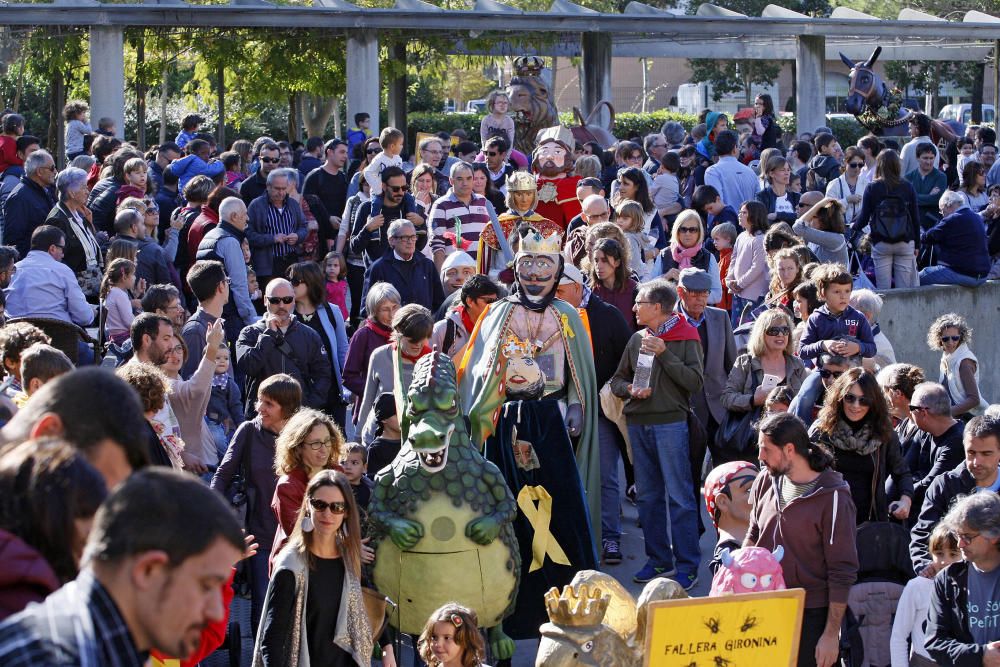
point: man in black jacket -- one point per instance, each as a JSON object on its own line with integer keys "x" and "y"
{"x": 943, "y": 449}
{"x": 256, "y": 185}
{"x": 279, "y": 344}
{"x": 962, "y": 627}
{"x": 30, "y": 201}
{"x": 609, "y": 335}
{"x": 151, "y": 262}
{"x": 370, "y": 237}
{"x": 979, "y": 472}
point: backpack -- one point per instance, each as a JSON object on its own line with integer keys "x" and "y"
{"x": 892, "y": 220}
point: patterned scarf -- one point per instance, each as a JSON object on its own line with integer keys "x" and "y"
{"x": 846, "y": 439}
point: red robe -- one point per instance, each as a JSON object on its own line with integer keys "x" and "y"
{"x": 557, "y": 199}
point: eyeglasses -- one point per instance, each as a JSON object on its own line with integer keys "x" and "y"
{"x": 826, "y": 375}
{"x": 965, "y": 537}
{"x": 271, "y": 160}
{"x": 492, "y": 153}
{"x": 853, "y": 399}
{"x": 317, "y": 445}
{"x": 373, "y": 151}
{"x": 61, "y": 247}
{"x": 688, "y": 230}
{"x": 778, "y": 331}
{"x": 645, "y": 303}
{"x": 856, "y": 165}
{"x": 295, "y": 281}
{"x": 399, "y": 188}
{"x": 275, "y": 300}
{"x": 917, "y": 408}
{"x": 50, "y": 167}
{"x": 336, "y": 507}
{"x": 950, "y": 339}
{"x": 408, "y": 237}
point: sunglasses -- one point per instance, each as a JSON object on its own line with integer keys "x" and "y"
{"x": 399, "y": 188}
{"x": 950, "y": 339}
{"x": 778, "y": 331}
{"x": 275, "y": 300}
{"x": 492, "y": 153}
{"x": 687, "y": 230}
{"x": 857, "y": 400}
{"x": 373, "y": 151}
{"x": 336, "y": 507}
{"x": 826, "y": 375}
{"x": 917, "y": 408}
{"x": 295, "y": 281}
{"x": 856, "y": 165}
{"x": 271, "y": 160}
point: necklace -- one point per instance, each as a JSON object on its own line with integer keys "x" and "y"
{"x": 307, "y": 317}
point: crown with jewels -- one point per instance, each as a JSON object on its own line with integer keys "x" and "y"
{"x": 521, "y": 181}
{"x": 536, "y": 244}
{"x": 559, "y": 133}
{"x": 577, "y": 605}
{"x": 515, "y": 348}
{"x": 528, "y": 65}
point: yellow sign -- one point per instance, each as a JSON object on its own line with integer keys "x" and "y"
{"x": 731, "y": 631}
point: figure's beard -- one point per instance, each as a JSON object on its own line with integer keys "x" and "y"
{"x": 550, "y": 168}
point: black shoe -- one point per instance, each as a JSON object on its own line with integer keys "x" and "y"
{"x": 611, "y": 554}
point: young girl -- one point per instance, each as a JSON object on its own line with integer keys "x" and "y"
{"x": 118, "y": 280}
{"x": 337, "y": 293}
{"x": 451, "y": 638}
{"x": 631, "y": 218}
{"x": 135, "y": 180}
{"x": 966, "y": 154}
{"x": 786, "y": 274}
{"x": 723, "y": 238}
{"x": 497, "y": 122}
{"x": 233, "y": 163}
{"x": 805, "y": 299}
{"x": 665, "y": 190}
{"x": 77, "y": 128}
{"x": 911, "y": 613}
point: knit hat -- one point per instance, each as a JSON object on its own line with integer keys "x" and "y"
{"x": 720, "y": 477}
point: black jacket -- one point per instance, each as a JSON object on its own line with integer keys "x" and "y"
{"x": 103, "y": 204}
{"x": 25, "y": 211}
{"x": 364, "y": 242}
{"x": 768, "y": 198}
{"x": 940, "y": 495}
{"x": 74, "y": 255}
{"x": 252, "y": 188}
{"x": 609, "y": 333}
{"x": 416, "y": 280}
{"x": 151, "y": 263}
{"x": 948, "y": 639}
{"x": 299, "y": 352}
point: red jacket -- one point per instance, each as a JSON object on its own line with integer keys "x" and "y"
{"x": 25, "y": 576}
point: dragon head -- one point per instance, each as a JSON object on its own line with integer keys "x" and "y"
{"x": 434, "y": 411}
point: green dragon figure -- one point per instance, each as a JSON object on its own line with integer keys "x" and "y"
{"x": 442, "y": 507}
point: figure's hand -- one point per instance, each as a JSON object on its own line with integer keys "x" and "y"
{"x": 375, "y": 222}
{"x": 483, "y": 530}
{"x": 574, "y": 419}
{"x": 501, "y": 645}
{"x": 901, "y": 508}
{"x": 291, "y": 239}
{"x": 673, "y": 275}
{"x": 929, "y": 571}
{"x": 991, "y": 656}
{"x": 335, "y": 222}
{"x": 415, "y": 219}
{"x": 279, "y": 239}
{"x": 405, "y": 533}
{"x": 214, "y": 337}
{"x": 640, "y": 393}
{"x": 367, "y": 553}
{"x": 760, "y": 395}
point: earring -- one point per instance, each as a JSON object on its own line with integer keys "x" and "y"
{"x": 307, "y": 523}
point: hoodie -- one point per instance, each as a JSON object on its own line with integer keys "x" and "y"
{"x": 823, "y": 325}
{"x": 817, "y": 532}
{"x": 825, "y": 168}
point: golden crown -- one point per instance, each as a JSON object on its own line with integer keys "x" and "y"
{"x": 536, "y": 244}
{"x": 515, "y": 348}
{"x": 577, "y": 605}
{"x": 528, "y": 65}
{"x": 521, "y": 181}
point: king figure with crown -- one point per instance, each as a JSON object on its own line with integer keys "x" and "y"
{"x": 527, "y": 377}
{"x": 552, "y": 161}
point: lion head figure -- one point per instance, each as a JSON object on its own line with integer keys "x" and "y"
{"x": 531, "y": 103}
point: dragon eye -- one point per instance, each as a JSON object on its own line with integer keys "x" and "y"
{"x": 765, "y": 580}
{"x": 587, "y": 647}
{"x": 748, "y": 580}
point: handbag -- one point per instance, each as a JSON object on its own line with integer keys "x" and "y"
{"x": 376, "y": 606}
{"x": 737, "y": 432}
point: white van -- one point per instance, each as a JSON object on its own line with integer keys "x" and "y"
{"x": 963, "y": 113}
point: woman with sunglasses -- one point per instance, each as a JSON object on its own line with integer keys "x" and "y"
{"x": 313, "y": 310}
{"x": 849, "y": 187}
{"x": 687, "y": 249}
{"x": 769, "y": 362}
{"x": 898, "y": 382}
{"x": 855, "y": 424}
{"x": 950, "y": 334}
{"x": 314, "y": 613}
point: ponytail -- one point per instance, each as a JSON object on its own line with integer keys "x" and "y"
{"x": 115, "y": 273}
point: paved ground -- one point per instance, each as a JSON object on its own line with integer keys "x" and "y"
{"x": 633, "y": 559}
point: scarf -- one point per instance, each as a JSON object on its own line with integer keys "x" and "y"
{"x": 467, "y": 321}
{"x": 676, "y": 328}
{"x": 860, "y": 441}
{"x": 407, "y": 357}
{"x": 683, "y": 256}
{"x": 382, "y": 331}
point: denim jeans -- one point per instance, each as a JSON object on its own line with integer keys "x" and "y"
{"x": 942, "y": 275}
{"x": 219, "y": 435}
{"x": 608, "y": 437}
{"x": 667, "y": 507}
{"x": 809, "y": 393}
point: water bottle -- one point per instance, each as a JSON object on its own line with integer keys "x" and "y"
{"x": 643, "y": 370}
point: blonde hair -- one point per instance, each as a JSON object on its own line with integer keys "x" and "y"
{"x": 947, "y": 321}
{"x": 769, "y": 318}
{"x": 627, "y": 208}
{"x": 288, "y": 446}
{"x": 687, "y": 215}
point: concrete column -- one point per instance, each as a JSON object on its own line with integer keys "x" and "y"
{"x": 397, "y": 89}
{"x": 595, "y": 74}
{"x": 107, "y": 76}
{"x": 362, "y": 77}
{"x": 810, "y": 85}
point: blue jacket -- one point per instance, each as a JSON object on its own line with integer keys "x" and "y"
{"x": 416, "y": 280}
{"x": 25, "y": 210}
{"x": 824, "y": 326}
{"x": 190, "y": 166}
{"x": 960, "y": 239}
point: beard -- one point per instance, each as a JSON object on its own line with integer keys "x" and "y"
{"x": 550, "y": 168}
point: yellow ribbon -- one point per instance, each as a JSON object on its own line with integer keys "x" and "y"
{"x": 539, "y": 517}
{"x": 567, "y": 329}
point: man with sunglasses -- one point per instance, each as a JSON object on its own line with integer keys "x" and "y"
{"x": 269, "y": 157}
{"x": 280, "y": 344}
{"x": 30, "y": 201}
{"x": 496, "y": 150}
{"x": 369, "y": 236}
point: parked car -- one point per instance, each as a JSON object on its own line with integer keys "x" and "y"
{"x": 963, "y": 113}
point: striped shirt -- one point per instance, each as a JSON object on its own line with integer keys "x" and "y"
{"x": 79, "y": 625}
{"x": 280, "y": 221}
{"x": 449, "y": 216}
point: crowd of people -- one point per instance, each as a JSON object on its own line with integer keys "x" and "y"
{"x": 257, "y": 308}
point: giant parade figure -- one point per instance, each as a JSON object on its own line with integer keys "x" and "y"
{"x": 552, "y": 161}
{"x": 527, "y": 377}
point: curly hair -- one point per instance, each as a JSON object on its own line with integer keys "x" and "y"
{"x": 149, "y": 382}
{"x": 901, "y": 377}
{"x": 878, "y": 416}
{"x": 288, "y": 446}
{"x": 17, "y": 337}
{"x": 466, "y": 625}
{"x": 947, "y": 321}
{"x": 73, "y": 109}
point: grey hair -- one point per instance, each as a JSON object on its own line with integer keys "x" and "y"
{"x": 867, "y": 301}
{"x": 951, "y": 198}
{"x": 36, "y": 161}
{"x": 660, "y": 292}
{"x": 673, "y": 132}
{"x": 397, "y": 225}
{"x": 282, "y": 173}
{"x": 69, "y": 180}
{"x": 378, "y": 293}
{"x": 229, "y": 206}
{"x": 947, "y": 321}
{"x": 934, "y": 397}
{"x": 457, "y": 167}
{"x": 84, "y": 162}
{"x": 979, "y": 512}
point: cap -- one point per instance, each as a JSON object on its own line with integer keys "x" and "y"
{"x": 385, "y": 406}
{"x": 695, "y": 280}
{"x": 571, "y": 275}
{"x": 722, "y": 475}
